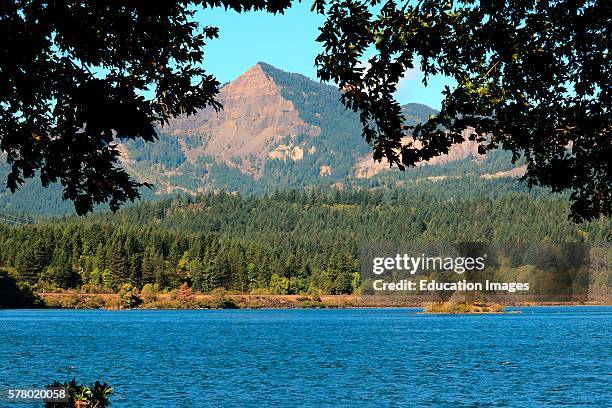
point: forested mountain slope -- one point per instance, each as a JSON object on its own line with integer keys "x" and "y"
{"x": 312, "y": 239}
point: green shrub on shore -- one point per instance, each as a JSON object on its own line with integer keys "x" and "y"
{"x": 130, "y": 296}
{"x": 174, "y": 294}
{"x": 225, "y": 304}
{"x": 221, "y": 301}
{"x": 311, "y": 304}
{"x": 149, "y": 293}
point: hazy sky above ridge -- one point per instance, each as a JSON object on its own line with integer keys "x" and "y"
{"x": 288, "y": 42}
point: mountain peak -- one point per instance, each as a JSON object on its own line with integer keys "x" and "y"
{"x": 253, "y": 76}
{"x": 259, "y": 68}
{"x": 262, "y": 73}
{"x": 255, "y": 120}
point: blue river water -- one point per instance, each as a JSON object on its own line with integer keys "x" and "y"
{"x": 541, "y": 357}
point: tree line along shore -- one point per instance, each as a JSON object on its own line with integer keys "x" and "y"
{"x": 293, "y": 243}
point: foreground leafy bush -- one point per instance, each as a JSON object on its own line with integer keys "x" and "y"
{"x": 96, "y": 395}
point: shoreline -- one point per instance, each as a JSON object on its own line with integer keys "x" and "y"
{"x": 110, "y": 301}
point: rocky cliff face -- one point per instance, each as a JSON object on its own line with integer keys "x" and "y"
{"x": 255, "y": 120}
{"x": 366, "y": 167}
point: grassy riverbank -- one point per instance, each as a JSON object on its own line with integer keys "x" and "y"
{"x": 463, "y": 308}
{"x": 221, "y": 300}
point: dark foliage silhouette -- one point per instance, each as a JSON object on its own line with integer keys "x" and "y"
{"x": 76, "y": 75}
{"x": 533, "y": 77}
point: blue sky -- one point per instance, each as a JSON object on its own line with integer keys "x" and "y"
{"x": 287, "y": 42}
